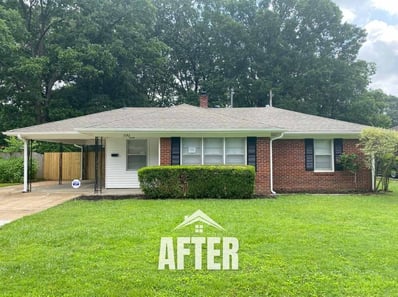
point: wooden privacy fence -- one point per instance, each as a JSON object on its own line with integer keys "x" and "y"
{"x": 74, "y": 165}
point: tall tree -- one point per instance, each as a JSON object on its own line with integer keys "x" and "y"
{"x": 391, "y": 109}
{"x": 298, "y": 48}
{"x": 317, "y": 69}
{"x": 124, "y": 58}
{"x": 80, "y": 57}
{"x": 66, "y": 58}
{"x": 12, "y": 37}
{"x": 42, "y": 60}
{"x": 369, "y": 108}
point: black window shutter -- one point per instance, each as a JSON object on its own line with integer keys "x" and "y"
{"x": 338, "y": 151}
{"x": 309, "y": 154}
{"x": 175, "y": 150}
{"x": 251, "y": 151}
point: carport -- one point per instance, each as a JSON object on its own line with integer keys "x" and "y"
{"x": 97, "y": 145}
{"x": 62, "y": 132}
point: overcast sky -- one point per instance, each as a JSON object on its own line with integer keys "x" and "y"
{"x": 380, "y": 19}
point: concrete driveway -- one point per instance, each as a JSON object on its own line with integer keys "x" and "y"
{"x": 14, "y": 204}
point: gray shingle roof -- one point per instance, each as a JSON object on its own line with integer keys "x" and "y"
{"x": 190, "y": 118}
{"x": 295, "y": 122}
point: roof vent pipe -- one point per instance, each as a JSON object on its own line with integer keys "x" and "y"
{"x": 232, "y": 97}
{"x": 203, "y": 99}
{"x": 270, "y": 98}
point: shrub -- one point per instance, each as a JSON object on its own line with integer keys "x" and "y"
{"x": 11, "y": 170}
{"x": 197, "y": 181}
{"x": 380, "y": 145}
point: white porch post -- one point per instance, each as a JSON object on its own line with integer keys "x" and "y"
{"x": 25, "y": 165}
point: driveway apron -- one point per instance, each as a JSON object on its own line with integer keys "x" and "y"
{"x": 15, "y": 204}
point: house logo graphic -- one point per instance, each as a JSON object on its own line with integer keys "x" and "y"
{"x": 199, "y": 217}
{"x": 221, "y": 253}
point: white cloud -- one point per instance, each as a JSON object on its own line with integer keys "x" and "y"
{"x": 389, "y": 6}
{"x": 389, "y": 84}
{"x": 348, "y": 15}
{"x": 381, "y": 31}
{"x": 381, "y": 47}
{"x": 379, "y": 18}
{"x": 355, "y": 11}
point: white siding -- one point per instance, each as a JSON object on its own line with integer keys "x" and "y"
{"x": 116, "y": 175}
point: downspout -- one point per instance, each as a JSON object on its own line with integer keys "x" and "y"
{"x": 25, "y": 163}
{"x": 271, "y": 164}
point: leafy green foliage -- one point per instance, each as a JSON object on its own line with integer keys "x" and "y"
{"x": 67, "y": 58}
{"x": 370, "y": 109}
{"x": 7, "y": 184}
{"x": 197, "y": 181}
{"x": 12, "y": 170}
{"x": 42, "y": 147}
{"x": 77, "y": 57}
{"x": 380, "y": 147}
{"x": 13, "y": 145}
{"x": 351, "y": 163}
{"x": 300, "y": 49}
{"x": 391, "y": 109}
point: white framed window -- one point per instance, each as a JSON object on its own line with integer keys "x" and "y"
{"x": 235, "y": 151}
{"x": 323, "y": 155}
{"x": 137, "y": 151}
{"x": 191, "y": 149}
{"x": 213, "y": 151}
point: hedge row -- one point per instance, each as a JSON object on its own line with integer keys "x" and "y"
{"x": 12, "y": 170}
{"x": 197, "y": 181}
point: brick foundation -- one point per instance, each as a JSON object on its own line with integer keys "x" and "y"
{"x": 290, "y": 174}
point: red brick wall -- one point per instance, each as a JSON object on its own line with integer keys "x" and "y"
{"x": 263, "y": 167}
{"x": 290, "y": 174}
{"x": 165, "y": 151}
{"x": 289, "y": 169}
{"x": 262, "y": 156}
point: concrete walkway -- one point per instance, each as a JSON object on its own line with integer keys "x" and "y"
{"x": 15, "y": 204}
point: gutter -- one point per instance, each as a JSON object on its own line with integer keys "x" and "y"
{"x": 271, "y": 165}
{"x": 323, "y": 134}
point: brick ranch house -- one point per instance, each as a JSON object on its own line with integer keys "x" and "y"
{"x": 292, "y": 152}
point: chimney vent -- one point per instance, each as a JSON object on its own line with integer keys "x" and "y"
{"x": 203, "y": 99}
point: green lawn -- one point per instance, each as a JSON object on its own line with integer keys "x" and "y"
{"x": 296, "y": 245}
{"x": 7, "y": 184}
